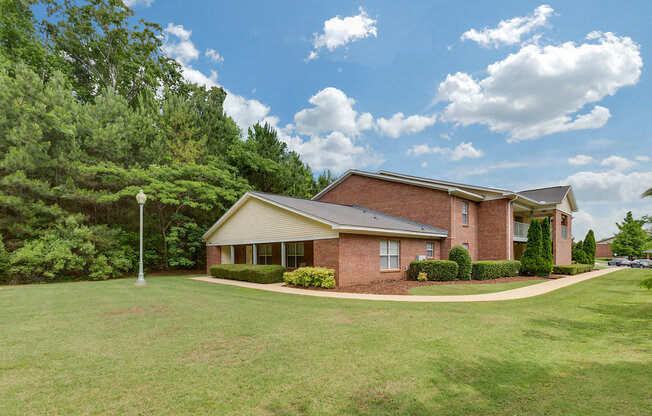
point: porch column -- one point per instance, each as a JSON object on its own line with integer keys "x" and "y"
{"x": 255, "y": 255}
{"x": 232, "y": 255}
{"x": 283, "y": 254}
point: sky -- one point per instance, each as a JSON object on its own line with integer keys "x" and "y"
{"x": 515, "y": 95}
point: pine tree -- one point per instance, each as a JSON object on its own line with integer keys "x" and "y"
{"x": 578, "y": 254}
{"x": 589, "y": 247}
{"x": 531, "y": 259}
{"x": 546, "y": 249}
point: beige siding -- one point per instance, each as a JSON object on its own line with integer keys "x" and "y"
{"x": 565, "y": 206}
{"x": 256, "y": 220}
{"x": 226, "y": 254}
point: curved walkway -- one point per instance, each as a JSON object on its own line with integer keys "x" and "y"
{"x": 519, "y": 293}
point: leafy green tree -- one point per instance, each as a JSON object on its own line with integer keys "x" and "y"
{"x": 531, "y": 259}
{"x": 546, "y": 249}
{"x": 631, "y": 237}
{"x": 589, "y": 247}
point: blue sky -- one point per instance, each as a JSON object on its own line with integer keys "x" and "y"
{"x": 515, "y": 95}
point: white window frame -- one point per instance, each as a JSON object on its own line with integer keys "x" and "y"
{"x": 430, "y": 249}
{"x": 389, "y": 255}
{"x": 465, "y": 213}
{"x": 264, "y": 253}
{"x": 466, "y": 246}
{"x": 295, "y": 255}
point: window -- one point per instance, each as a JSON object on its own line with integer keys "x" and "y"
{"x": 466, "y": 246}
{"x": 295, "y": 255}
{"x": 388, "y": 255}
{"x": 264, "y": 254}
{"x": 430, "y": 249}
{"x": 465, "y": 213}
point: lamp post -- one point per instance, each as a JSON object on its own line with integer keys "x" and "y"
{"x": 141, "y": 198}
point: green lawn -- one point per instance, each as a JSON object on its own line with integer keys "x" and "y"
{"x": 186, "y": 347}
{"x": 438, "y": 290}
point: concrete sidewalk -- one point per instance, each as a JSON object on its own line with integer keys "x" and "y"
{"x": 519, "y": 293}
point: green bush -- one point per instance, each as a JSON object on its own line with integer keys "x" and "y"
{"x": 438, "y": 270}
{"x": 531, "y": 259}
{"x": 254, "y": 273}
{"x": 572, "y": 268}
{"x": 578, "y": 254}
{"x": 4, "y": 260}
{"x": 485, "y": 270}
{"x": 546, "y": 249}
{"x": 589, "y": 247}
{"x": 461, "y": 256}
{"x": 422, "y": 277}
{"x": 311, "y": 276}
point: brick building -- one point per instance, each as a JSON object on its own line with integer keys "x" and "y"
{"x": 370, "y": 226}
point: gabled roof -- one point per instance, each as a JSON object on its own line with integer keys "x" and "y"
{"x": 340, "y": 217}
{"x": 606, "y": 240}
{"x": 551, "y": 195}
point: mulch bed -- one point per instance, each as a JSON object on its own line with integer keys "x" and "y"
{"x": 402, "y": 287}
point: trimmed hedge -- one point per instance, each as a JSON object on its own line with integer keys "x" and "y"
{"x": 254, "y": 273}
{"x": 572, "y": 268}
{"x": 439, "y": 270}
{"x": 311, "y": 276}
{"x": 461, "y": 256}
{"x": 485, "y": 270}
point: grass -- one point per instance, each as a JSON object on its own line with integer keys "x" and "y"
{"x": 179, "y": 346}
{"x": 474, "y": 289}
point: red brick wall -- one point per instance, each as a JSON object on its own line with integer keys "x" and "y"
{"x": 213, "y": 256}
{"x": 460, "y": 233}
{"x": 493, "y": 237}
{"x": 359, "y": 258}
{"x": 561, "y": 248}
{"x": 326, "y": 254}
{"x": 603, "y": 250}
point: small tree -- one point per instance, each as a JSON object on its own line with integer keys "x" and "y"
{"x": 4, "y": 260}
{"x": 531, "y": 259}
{"x": 578, "y": 254}
{"x": 546, "y": 249}
{"x": 461, "y": 256}
{"x": 589, "y": 247}
{"x": 631, "y": 239}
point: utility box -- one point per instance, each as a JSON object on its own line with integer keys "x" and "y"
{"x": 421, "y": 257}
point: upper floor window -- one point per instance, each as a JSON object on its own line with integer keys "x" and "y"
{"x": 295, "y": 255}
{"x": 465, "y": 213}
{"x": 466, "y": 246}
{"x": 388, "y": 255}
{"x": 430, "y": 249}
{"x": 264, "y": 253}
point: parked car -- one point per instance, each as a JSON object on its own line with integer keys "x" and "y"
{"x": 641, "y": 264}
{"x": 618, "y": 261}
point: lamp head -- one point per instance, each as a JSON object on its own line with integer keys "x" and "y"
{"x": 141, "y": 197}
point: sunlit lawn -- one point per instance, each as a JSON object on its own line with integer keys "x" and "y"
{"x": 180, "y": 346}
{"x": 471, "y": 289}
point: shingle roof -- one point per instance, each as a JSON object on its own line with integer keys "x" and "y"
{"x": 552, "y": 195}
{"x": 353, "y": 216}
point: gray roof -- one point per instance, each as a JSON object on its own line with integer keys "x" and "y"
{"x": 552, "y": 195}
{"x": 345, "y": 215}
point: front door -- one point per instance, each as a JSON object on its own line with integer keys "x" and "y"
{"x": 250, "y": 255}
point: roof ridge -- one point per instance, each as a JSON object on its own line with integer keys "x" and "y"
{"x": 451, "y": 183}
{"x": 545, "y": 187}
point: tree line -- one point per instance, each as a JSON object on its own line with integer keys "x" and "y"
{"x": 91, "y": 111}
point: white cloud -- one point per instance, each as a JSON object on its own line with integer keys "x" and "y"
{"x": 642, "y": 158}
{"x": 516, "y": 98}
{"x": 618, "y": 163}
{"x": 182, "y": 49}
{"x": 424, "y": 164}
{"x": 465, "y": 150}
{"x": 244, "y": 111}
{"x": 341, "y": 31}
{"x": 609, "y": 186}
{"x": 509, "y": 32}
{"x": 214, "y": 56}
{"x": 136, "y": 3}
{"x": 461, "y": 151}
{"x": 332, "y": 111}
{"x": 399, "y": 124}
{"x": 580, "y": 160}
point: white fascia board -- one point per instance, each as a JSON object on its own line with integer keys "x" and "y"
{"x": 295, "y": 211}
{"x": 283, "y": 240}
{"x": 467, "y": 195}
{"x": 385, "y": 231}
{"x": 227, "y": 214}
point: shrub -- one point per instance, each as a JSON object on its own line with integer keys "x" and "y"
{"x": 4, "y": 260}
{"x": 546, "y": 249}
{"x": 572, "y": 268}
{"x": 422, "y": 277}
{"x": 578, "y": 254}
{"x": 589, "y": 247}
{"x": 485, "y": 270}
{"x": 254, "y": 273}
{"x": 311, "y": 276}
{"x": 438, "y": 270}
{"x": 531, "y": 259}
{"x": 461, "y": 256}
